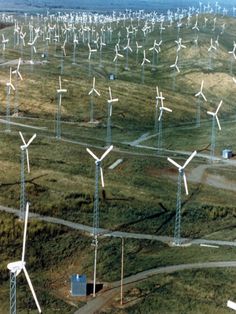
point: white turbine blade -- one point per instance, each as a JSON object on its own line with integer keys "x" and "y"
{"x": 21, "y": 78}
{"x": 115, "y": 58}
{"x": 90, "y": 92}
{"x": 97, "y": 92}
{"x": 218, "y": 122}
{"x": 203, "y": 96}
{"x": 110, "y": 110}
{"x": 177, "y": 68}
{"x": 160, "y": 116}
{"x": 166, "y": 109}
{"x": 102, "y": 178}
{"x": 202, "y": 85}
{"x": 32, "y": 289}
{"x": 94, "y": 82}
{"x": 157, "y": 91}
{"x": 23, "y": 140}
{"x": 199, "y": 93}
{"x": 92, "y": 154}
{"x": 27, "y": 158}
{"x": 106, "y": 152}
{"x": 189, "y": 158}
{"x": 110, "y": 92}
{"x": 185, "y": 184}
{"x": 234, "y": 79}
{"x": 173, "y": 162}
{"x": 211, "y": 113}
{"x": 31, "y": 140}
{"x": 219, "y": 106}
{"x": 25, "y": 232}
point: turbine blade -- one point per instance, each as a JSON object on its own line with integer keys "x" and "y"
{"x": 25, "y": 232}
{"x": 174, "y": 162}
{"x": 32, "y": 289}
{"x": 27, "y": 158}
{"x": 185, "y": 184}
{"x": 160, "y": 116}
{"x": 97, "y": 92}
{"x": 189, "y": 158}
{"x": 219, "y": 106}
{"x": 211, "y": 113}
{"x": 106, "y": 152}
{"x": 92, "y": 154}
{"x": 110, "y": 110}
{"x": 167, "y": 109}
{"x": 31, "y": 140}
{"x": 203, "y": 96}
{"x": 102, "y": 178}
{"x": 218, "y": 122}
{"x": 23, "y": 140}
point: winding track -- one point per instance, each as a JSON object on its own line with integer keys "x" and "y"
{"x": 117, "y": 234}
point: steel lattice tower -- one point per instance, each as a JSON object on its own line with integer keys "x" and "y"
{"x": 109, "y": 126}
{"x": 177, "y": 239}
{"x": 159, "y": 140}
{"x": 58, "y": 117}
{"x": 8, "y": 112}
{"x": 213, "y": 139}
{"x": 12, "y": 292}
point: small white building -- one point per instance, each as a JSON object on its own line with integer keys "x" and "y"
{"x": 227, "y": 153}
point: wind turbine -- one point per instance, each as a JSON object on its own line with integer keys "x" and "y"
{"x": 162, "y": 108}
{"x": 15, "y": 269}
{"x": 89, "y": 57}
{"x": 143, "y": 65}
{"x": 9, "y": 86}
{"x": 4, "y": 42}
{"x": 98, "y": 172}
{"x": 127, "y": 48}
{"x": 93, "y": 92}
{"x": 109, "y": 114}
{"x": 154, "y": 49}
{"x": 212, "y": 47}
{"x": 233, "y": 57}
{"x": 60, "y": 91}
{"x": 102, "y": 44}
{"x": 18, "y": 76}
{"x": 175, "y": 66}
{"x": 199, "y": 96}
{"x": 137, "y": 50}
{"x": 177, "y": 239}
{"x": 24, "y": 152}
{"x": 213, "y": 131}
{"x": 117, "y": 54}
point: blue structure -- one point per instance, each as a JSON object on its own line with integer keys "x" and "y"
{"x": 78, "y": 285}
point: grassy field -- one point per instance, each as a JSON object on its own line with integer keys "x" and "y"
{"x": 141, "y": 192}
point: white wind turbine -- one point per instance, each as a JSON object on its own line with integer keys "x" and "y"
{"x": 210, "y": 49}
{"x": 91, "y": 51}
{"x": 155, "y": 52}
{"x": 162, "y": 108}
{"x": 143, "y": 65}
{"x": 102, "y": 44}
{"x": 16, "y": 268}
{"x": 18, "y": 76}
{"x": 213, "y": 131}
{"x": 60, "y": 91}
{"x": 98, "y": 172}
{"x": 33, "y": 49}
{"x": 177, "y": 238}
{"x": 127, "y": 48}
{"x": 117, "y": 54}
{"x": 175, "y": 66}
{"x": 233, "y": 57}
{"x": 199, "y": 96}
{"x": 24, "y": 152}
{"x": 137, "y": 50}
{"x": 9, "y": 86}
{"x": 110, "y": 101}
{"x": 4, "y": 42}
{"x": 93, "y": 92}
